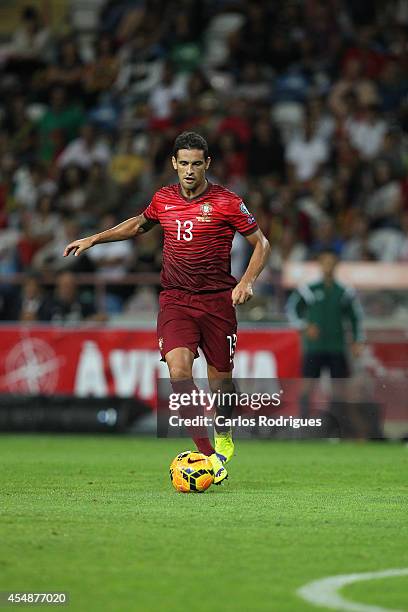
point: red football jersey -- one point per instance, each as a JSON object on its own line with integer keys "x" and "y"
{"x": 198, "y": 236}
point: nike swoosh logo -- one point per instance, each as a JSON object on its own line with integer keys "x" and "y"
{"x": 168, "y": 207}
{"x": 193, "y": 460}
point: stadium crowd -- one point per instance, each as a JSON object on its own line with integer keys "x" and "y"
{"x": 304, "y": 105}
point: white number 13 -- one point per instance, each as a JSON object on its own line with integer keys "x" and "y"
{"x": 232, "y": 341}
{"x": 187, "y": 234}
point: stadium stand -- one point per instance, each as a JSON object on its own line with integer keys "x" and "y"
{"x": 304, "y": 105}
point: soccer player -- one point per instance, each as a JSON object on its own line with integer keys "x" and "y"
{"x": 197, "y": 304}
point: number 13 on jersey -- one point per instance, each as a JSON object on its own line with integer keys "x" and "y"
{"x": 184, "y": 230}
{"x": 232, "y": 341}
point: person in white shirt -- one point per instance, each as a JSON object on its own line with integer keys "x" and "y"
{"x": 170, "y": 88}
{"x": 31, "y": 40}
{"x": 85, "y": 150}
{"x": 367, "y": 132}
{"x": 112, "y": 261}
{"x": 305, "y": 154}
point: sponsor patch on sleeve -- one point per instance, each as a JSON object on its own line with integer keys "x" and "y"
{"x": 245, "y": 211}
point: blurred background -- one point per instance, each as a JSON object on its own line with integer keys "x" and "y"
{"x": 305, "y": 108}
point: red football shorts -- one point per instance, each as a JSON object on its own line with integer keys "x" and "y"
{"x": 192, "y": 320}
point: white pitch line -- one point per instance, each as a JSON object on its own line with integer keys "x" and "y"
{"x": 324, "y": 592}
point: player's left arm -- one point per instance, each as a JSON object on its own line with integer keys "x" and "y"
{"x": 244, "y": 289}
{"x": 354, "y": 313}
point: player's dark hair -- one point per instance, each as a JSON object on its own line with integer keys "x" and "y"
{"x": 190, "y": 140}
{"x": 327, "y": 251}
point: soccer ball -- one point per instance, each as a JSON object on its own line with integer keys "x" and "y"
{"x": 191, "y": 472}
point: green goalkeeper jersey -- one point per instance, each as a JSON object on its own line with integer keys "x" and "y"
{"x": 334, "y": 308}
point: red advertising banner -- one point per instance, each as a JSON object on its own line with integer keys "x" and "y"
{"x": 123, "y": 362}
{"x": 101, "y": 362}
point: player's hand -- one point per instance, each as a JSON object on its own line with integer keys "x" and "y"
{"x": 312, "y": 331}
{"x": 357, "y": 349}
{"x": 241, "y": 293}
{"x": 78, "y": 246}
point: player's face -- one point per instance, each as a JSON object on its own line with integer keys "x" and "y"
{"x": 328, "y": 263}
{"x": 191, "y": 166}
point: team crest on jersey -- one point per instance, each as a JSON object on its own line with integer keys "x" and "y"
{"x": 206, "y": 210}
{"x": 161, "y": 344}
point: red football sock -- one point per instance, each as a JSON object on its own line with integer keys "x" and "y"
{"x": 204, "y": 446}
{"x": 198, "y": 434}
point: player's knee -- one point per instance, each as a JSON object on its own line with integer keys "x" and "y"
{"x": 180, "y": 372}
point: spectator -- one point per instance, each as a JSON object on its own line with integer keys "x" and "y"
{"x": 251, "y": 40}
{"x": 30, "y": 301}
{"x": 58, "y": 126}
{"x": 20, "y": 128}
{"x": 68, "y": 70}
{"x": 393, "y": 151}
{"x": 85, "y": 150}
{"x": 112, "y": 261}
{"x": 44, "y": 221}
{"x": 169, "y": 88}
{"x": 236, "y": 121}
{"x": 354, "y": 84}
{"x": 102, "y": 193}
{"x": 383, "y": 208}
{"x": 126, "y": 165}
{"x": 48, "y": 258}
{"x": 384, "y": 204}
{"x": 30, "y": 241}
{"x": 198, "y": 85}
{"x": 356, "y": 247}
{"x": 9, "y": 239}
{"x": 71, "y": 192}
{"x": 30, "y": 184}
{"x": 232, "y": 155}
{"x": 366, "y": 52}
{"x": 67, "y": 305}
{"x": 7, "y": 303}
{"x": 306, "y": 154}
{"x": 30, "y": 46}
{"x": 326, "y": 239}
{"x": 286, "y": 249}
{"x": 265, "y": 151}
{"x": 253, "y": 86}
{"x": 185, "y": 52}
{"x": 8, "y": 168}
{"x": 101, "y": 74}
{"x": 392, "y": 86}
{"x": 321, "y": 118}
{"x": 366, "y": 132}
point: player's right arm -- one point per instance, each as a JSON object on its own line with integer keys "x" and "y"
{"x": 296, "y": 311}
{"x": 125, "y": 230}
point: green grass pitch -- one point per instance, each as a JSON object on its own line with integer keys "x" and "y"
{"x": 97, "y": 517}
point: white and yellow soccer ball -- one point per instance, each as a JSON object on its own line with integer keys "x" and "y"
{"x": 191, "y": 472}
